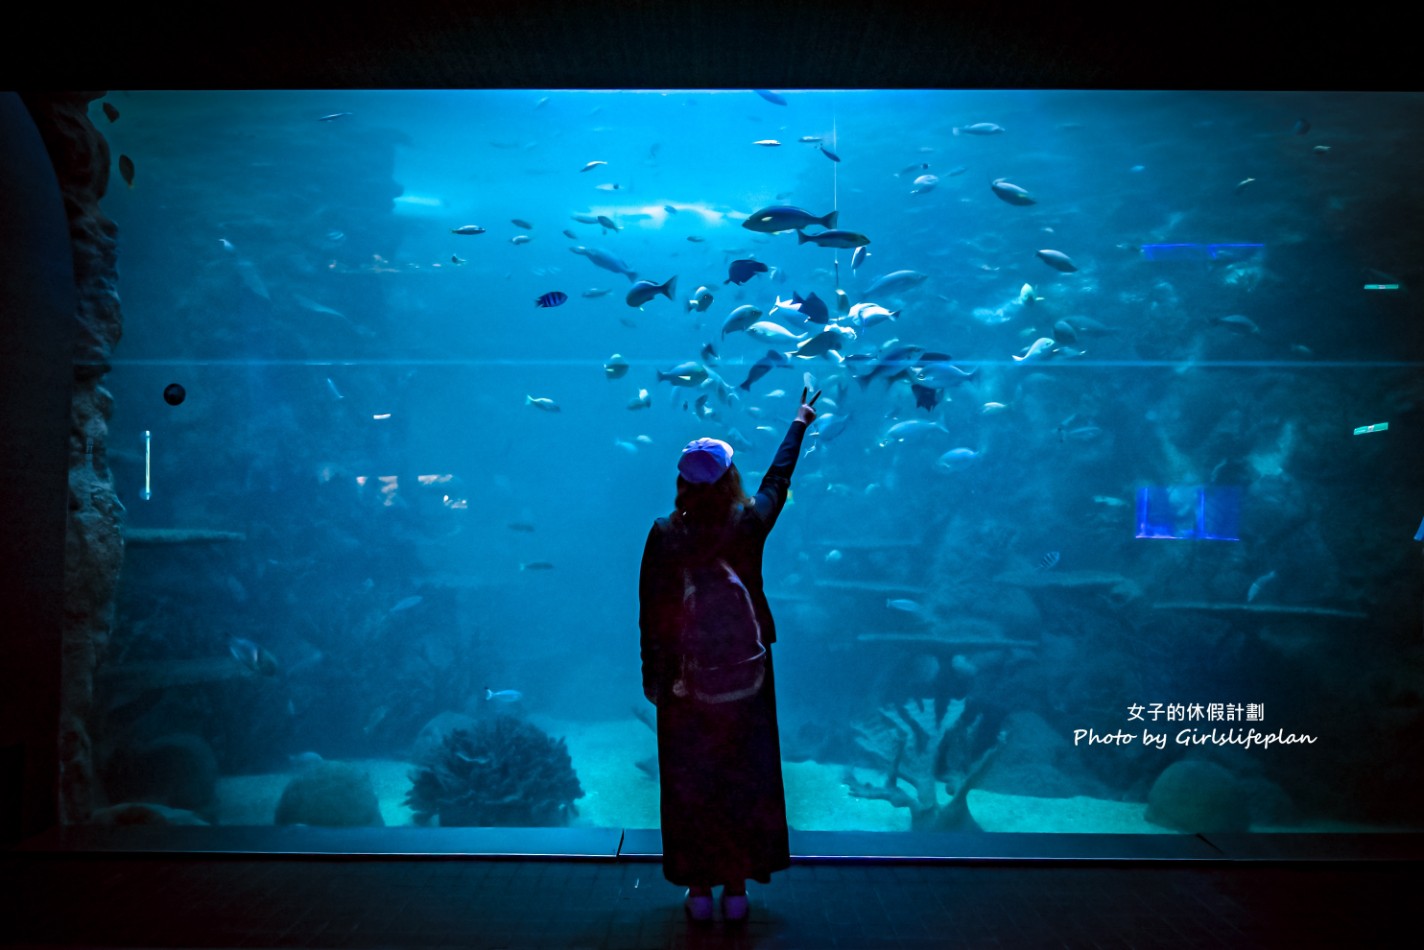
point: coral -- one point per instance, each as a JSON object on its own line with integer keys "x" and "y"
{"x": 1196, "y": 797}
{"x": 505, "y": 772}
{"x": 332, "y": 795}
{"x": 909, "y": 742}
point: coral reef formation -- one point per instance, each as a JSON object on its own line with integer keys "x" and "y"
{"x": 331, "y": 795}
{"x": 912, "y": 744}
{"x": 94, "y": 546}
{"x": 506, "y": 772}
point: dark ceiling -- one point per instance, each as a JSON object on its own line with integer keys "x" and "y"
{"x": 1163, "y": 44}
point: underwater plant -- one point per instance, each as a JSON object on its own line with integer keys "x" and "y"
{"x": 505, "y": 772}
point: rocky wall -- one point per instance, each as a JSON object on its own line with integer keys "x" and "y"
{"x": 94, "y": 545}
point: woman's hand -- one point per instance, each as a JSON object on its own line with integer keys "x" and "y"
{"x": 806, "y": 414}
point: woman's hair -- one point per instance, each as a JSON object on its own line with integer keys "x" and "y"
{"x": 710, "y": 501}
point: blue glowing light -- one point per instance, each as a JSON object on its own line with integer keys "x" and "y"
{"x": 1193, "y": 513}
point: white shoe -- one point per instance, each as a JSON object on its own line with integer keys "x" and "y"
{"x": 698, "y": 908}
{"x": 734, "y": 906}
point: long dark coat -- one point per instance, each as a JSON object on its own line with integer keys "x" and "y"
{"x": 723, "y": 803}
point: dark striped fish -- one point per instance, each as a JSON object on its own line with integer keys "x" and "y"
{"x": 1048, "y": 561}
{"x": 551, "y": 299}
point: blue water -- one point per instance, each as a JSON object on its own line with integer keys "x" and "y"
{"x": 332, "y": 343}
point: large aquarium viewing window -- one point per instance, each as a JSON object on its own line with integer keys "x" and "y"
{"x": 1106, "y": 524}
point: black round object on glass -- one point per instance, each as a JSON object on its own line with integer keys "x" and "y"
{"x": 173, "y": 394}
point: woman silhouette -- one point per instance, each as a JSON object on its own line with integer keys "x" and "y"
{"x": 722, "y": 801}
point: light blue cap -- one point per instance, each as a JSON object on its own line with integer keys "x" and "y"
{"x": 704, "y": 460}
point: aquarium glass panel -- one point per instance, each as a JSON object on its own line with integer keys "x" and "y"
{"x": 1105, "y": 524}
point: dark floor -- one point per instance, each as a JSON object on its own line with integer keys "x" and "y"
{"x": 231, "y": 901}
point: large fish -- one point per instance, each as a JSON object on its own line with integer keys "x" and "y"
{"x": 761, "y": 367}
{"x": 786, "y": 218}
{"x": 846, "y": 239}
{"x": 741, "y": 318}
{"x": 645, "y": 290}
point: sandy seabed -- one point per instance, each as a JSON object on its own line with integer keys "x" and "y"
{"x": 619, "y": 795}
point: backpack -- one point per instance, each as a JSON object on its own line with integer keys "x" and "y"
{"x": 723, "y": 657}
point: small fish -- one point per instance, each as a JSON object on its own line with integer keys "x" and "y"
{"x": 644, "y": 439}
{"x": 523, "y": 527}
{"x": 405, "y": 603}
{"x": 695, "y": 239}
{"x": 542, "y": 402}
{"x": 810, "y": 138}
{"x": 591, "y": 166}
{"x": 570, "y": 235}
{"x": 503, "y": 695}
{"x": 1238, "y": 323}
{"x": 641, "y": 401}
{"x": 1302, "y": 126}
{"x": 833, "y": 556}
{"x": 644, "y": 290}
{"x": 924, "y": 184}
{"x": 332, "y": 386}
{"x": 904, "y": 605}
{"x": 521, "y": 223}
{"x": 607, "y": 222}
{"x": 1321, "y": 149}
{"x": 701, "y": 300}
{"x": 690, "y": 374}
{"x": 520, "y": 239}
{"x": 1109, "y": 500}
{"x": 1036, "y": 350}
{"x": 543, "y": 101}
{"x": 812, "y": 308}
{"x": 126, "y": 170}
{"x": 956, "y": 459}
{"x": 334, "y": 116}
{"x": 457, "y": 259}
{"x": 628, "y": 447}
{"x": 895, "y": 283}
{"x": 1049, "y": 561}
{"x": 1243, "y": 183}
{"x": 909, "y": 169}
{"x": 830, "y": 154}
{"x": 252, "y": 656}
{"x": 761, "y": 367}
{"x": 858, "y": 258}
{"x": 552, "y": 299}
{"x": 378, "y": 716}
{"x": 989, "y": 408}
{"x": 770, "y": 97}
{"x": 741, "y": 271}
{"x": 839, "y": 239}
{"x": 536, "y": 566}
{"x": 111, "y": 112}
{"x": 767, "y": 143}
{"x": 1057, "y": 260}
{"x": 741, "y": 318}
{"x": 468, "y": 229}
{"x": 979, "y": 128}
{"x": 593, "y": 292}
{"x": 1011, "y": 193}
{"x": 1258, "y": 584}
{"x": 616, "y": 367}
